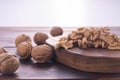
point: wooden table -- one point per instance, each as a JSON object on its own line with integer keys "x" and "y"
{"x": 52, "y": 70}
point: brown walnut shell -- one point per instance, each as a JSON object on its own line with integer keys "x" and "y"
{"x": 42, "y": 53}
{"x": 40, "y": 38}
{"x": 56, "y": 31}
{"x": 8, "y": 63}
{"x": 22, "y": 38}
{"x": 24, "y": 50}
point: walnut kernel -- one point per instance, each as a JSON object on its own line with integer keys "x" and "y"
{"x": 90, "y": 37}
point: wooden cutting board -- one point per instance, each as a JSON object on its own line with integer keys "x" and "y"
{"x": 90, "y": 60}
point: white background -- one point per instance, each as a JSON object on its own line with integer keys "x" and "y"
{"x": 59, "y": 13}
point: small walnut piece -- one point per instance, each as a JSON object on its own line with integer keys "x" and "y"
{"x": 56, "y": 31}
{"x": 2, "y": 50}
{"x": 91, "y": 37}
{"x": 42, "y": 53}
{"x": 65, "y": 44}
{"x": 8, "y": 63}
{"x": 40, "y": 38}
{"x": 24, "y": 50}
{"x": 22, "y": 38}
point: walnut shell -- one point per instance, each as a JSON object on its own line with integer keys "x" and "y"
{"x": 42, "y": 53}
{"x": 8, "y": 63}
{"x": 40, "y": 38}
{"x": 2, "y": 50}
{"x": 24, "y": 50}
{"x": 56, "y": 31}
{"x": 22, "y": 38}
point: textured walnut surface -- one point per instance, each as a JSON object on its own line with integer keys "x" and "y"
{"x": 90, "y": 37}
{"x": 22, "y": 38}
{"x": 40, "y": 38}
{"x": 56, "y": 31}
{"x": 8, "y": 63}
{"x": 42, "y": 53}
{"x": 24, "y": 50}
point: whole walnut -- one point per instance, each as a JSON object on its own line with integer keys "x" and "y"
{"x": 56, "y": 31}
{"x": 24, "y": 50}
{"x": 22, "y": 38}
{"x": 8, "y": 63}
{"x": 42, "y": 53}
{"x": 2, "y": 50}
{"x": 40, "y": 38}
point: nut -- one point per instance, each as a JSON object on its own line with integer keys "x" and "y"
{"x": 65, "y": 44}
{"x": 40, "y": 38}
{"x": 24, "y": 50}
{"x": 41, "y": 53}
{"x": 8, "y": 63}
{"x": 22, "y": 38}
{"x": 90, "y": 37}
{"x": 56, "y": 31}
{"x": 2, "y": 50}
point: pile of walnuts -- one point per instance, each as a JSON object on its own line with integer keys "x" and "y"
{"x": 41, "y": 52}
{"x": 90, "y": 37}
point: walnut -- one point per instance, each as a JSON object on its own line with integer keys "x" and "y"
{"x": 63, "y": 39}
{"x": 24, "y": 50}
{"x": 80, "y": 43}
{"x": 22, "y": 38}
{"x": 68, "y": 44}
{"x": 96, "y": 44}
{"x": 114, "y": 46}
{"x": 87, "y": 33}
{"x": 8, "y": 63}
{"x": 84, "y": 42}
{"x": 74, "y": 36}
{"x": 65, "y": 44}
{"x": 2, "y": 50}
{"x": 56, "y": 31}
{"x": 40, "y": 38}
{"x": 90, "y": 37}
{"x": 42, "y": 53}
{"x": 95, "y": 35}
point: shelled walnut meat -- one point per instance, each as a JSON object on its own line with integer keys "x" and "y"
{"x": 8, "y": 63}
{"x": 22, "y": 38}
{"x": 90, "y": 37}
{"x": 42, "y": 53}
{"x": 40, "y": 38}
{"x": 56, "y": 31}
{"x": 24, "y": 50}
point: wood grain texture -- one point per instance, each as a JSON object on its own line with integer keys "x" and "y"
{"x": 89, "y": 62}
{"x": 52, "y": 70}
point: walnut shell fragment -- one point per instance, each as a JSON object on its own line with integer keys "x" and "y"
{"x": 22, "y": 38}
{"x": 56, "y": 31}
{"x": 40, "y": 38}
{"x": 42, "y": 53}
